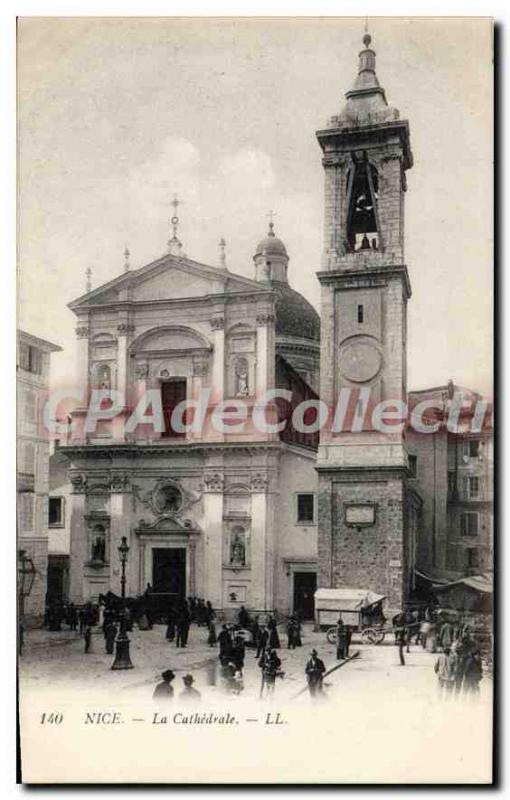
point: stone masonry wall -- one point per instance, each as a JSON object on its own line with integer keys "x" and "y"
{"x": 368, "y": 557}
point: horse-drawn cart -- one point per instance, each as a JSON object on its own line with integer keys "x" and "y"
{"x": 360, "y": 610}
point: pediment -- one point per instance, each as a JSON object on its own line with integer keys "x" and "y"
{"x": 173, "y": 283}
{"x": 168, "y": 278}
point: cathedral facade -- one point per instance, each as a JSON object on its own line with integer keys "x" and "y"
{"x": 227, "y": 515}
{"x": 238, "y": 516}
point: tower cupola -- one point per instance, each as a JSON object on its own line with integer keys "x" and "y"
{"x": 271, "y": 258}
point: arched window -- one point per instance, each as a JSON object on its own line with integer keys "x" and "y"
{"x": 362, "y": 197}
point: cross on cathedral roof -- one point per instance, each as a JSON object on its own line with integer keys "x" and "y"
{"x": 175, "y": 244}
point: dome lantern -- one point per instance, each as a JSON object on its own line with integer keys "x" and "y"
{"x": 271, "y": 258}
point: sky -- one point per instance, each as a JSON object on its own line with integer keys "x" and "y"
{"x": 118, "y": 115}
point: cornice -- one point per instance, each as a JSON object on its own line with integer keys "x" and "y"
{"x": 134, "y": 451}
{"x": 339, "y": 276}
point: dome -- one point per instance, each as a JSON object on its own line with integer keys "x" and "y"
{"x": 271, "y": 245}
{"x": 295, "y": 316}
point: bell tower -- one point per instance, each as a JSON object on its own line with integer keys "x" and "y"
{"x": 367, "y": 514}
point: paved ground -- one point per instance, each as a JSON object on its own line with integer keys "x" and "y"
{"x": 58, "y": 659}
{"x": 378, "y": 721}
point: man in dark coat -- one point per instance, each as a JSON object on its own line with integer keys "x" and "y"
{"x": 110, "y": 635}
{"x": 314, "y": 671}
{"x": 170, "y": 626}
{"x": 472, "y": 674}
{"x": 341, "y": 640}
{"x": 211, "y": 637}
{"x": 200, "y": 612}
{"x": 209, "y": 612}
{"x": 164, "y": 691}
{"x": 225, "y": 643}
{"x": 87, "y": 636}
{"x": 291, "y": 633}
{"x": 72, "y": 617}
{"x": 262, "y": 642}
{"x": 183, "y": 623}
{"x": 243, "y": 618}
{"x": 274, "y": 640}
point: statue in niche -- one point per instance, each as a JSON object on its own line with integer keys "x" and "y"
{"x": 105, "y": 377}
{"x": 238, "y": 548}
{"x": 242, "y": 388}
{"x": 98, "y": 544}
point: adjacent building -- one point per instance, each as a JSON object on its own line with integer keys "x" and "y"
{"x": 453, "y": 471}
{"x": 33, "y": 377}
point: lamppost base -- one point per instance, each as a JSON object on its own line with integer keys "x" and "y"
{"x": 122, "y": 657}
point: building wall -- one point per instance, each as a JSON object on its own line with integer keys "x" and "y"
{"x": 296, "y": 542}
{"x": 431, "y": 451}
{"x": 462, "y": 466}
{"x": 369, "y": 555}
{"x": 444, "y": 466}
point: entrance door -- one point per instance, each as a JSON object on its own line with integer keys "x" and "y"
{"x": 169, "y": 572}
{"x": 305, "y": 584}
{"x": 172, "y": 393}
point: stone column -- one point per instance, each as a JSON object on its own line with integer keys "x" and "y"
{"x": 192, "y": 576}
{"x": 200, "y": 367}
{"x": 123, "y": 329}
{"x": 82, "y": 356}
{"x": 81, "y": 380}
{"x": 218, "y": 370}
{"x": 141, "y": 569}
{"x": 120, "y": 525}
{"x": 261, "y": 550}
{"x": 78, "y": 539}
{"x": 213, "y": 532}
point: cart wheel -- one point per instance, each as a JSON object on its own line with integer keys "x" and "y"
{"x": 379, "y": 637}
{"x": 331, "y": 635}
{"x": 373, "y": 635}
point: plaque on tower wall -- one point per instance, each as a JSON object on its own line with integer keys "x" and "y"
{"x": 255, "y": 419}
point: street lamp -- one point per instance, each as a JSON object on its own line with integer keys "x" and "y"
{"x": 122, "y": 657}
{"x": 26, "y": 578}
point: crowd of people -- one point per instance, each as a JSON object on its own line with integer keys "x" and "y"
{"x": 458, "y": 665}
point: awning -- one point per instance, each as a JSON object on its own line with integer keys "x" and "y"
{"x": 348, "y": 599}
{"x": 479, "y": 583}
{"x": 428, "y": 578}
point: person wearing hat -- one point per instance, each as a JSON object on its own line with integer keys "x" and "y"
{"x": 270, "y": 665}
{"x": 189, "y": 693}
{"x": 163, "y": 689}
{"x": 314, "y": 671}
{"x": 341, "y": 640}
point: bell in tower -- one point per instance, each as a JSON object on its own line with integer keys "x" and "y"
{"x": 362, "y": 189}
{"x": 366, "y": 152}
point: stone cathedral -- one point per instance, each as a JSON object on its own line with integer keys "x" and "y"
{"x": 246, "y": 518}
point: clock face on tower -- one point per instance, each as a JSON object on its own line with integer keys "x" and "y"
{"x": 360, "y": 360}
